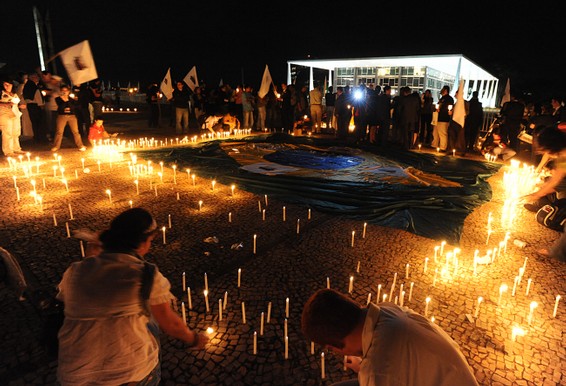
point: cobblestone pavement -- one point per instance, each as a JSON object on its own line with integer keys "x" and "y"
{"x": 287, "y": 265}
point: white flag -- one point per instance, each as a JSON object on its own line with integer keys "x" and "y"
{"x": 266, "y": 82}
{"x": 166, "y": 86}
{"x": 507, "y": 96}
{"x": 79, "y": 63}
{"x": 191, "y": 78}
{"x": 459, "y": 113}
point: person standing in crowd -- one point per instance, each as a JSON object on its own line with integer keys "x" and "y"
{"x": 289, "y": 103}
{"x": 84, "y": 96}
{"x": 51, "y": 85}
{"x": 198, "y": 102}
{"x": 383, "y": 112}
{"x": 152, "y": 99}
{"x": 329, "y": 100}
{"x": 440, "y": 132}
{"x": 474, "y": 121}
{"x": 10, "y": 120}
{"x": 248, "y": 104}
{"x": 371, "y": 112}
{"x": 115, "y": 340}
{"x": 302, "y": 104}
{"x": 558, "y": 112}
{"x": 97, "y": 100}
{"x": 273, "y": 109}
{"x": 343, "y": 114}
{"x": 261, "y": 104}
{"x": 409, "y": 114}
{"x": 359, "y": 101}
{"x": 315, "y": 101}
{"x": 181, "y": 98}
{"x": 27, "y": 129}
{"x": 512, "y": 113}
{"x": 34, "y": 104}
{"x": 385, "y": 344}
{"x": 427, "y": 108}
{"x": 66, "y": 108}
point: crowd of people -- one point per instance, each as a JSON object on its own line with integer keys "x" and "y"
{"x": 40, "y": 105}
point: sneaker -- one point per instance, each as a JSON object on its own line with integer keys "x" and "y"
{"x": 54, "y": 149}
{"x": 82, "y": 148}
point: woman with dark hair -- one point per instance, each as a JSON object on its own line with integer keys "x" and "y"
{"x": 552, "y": 140}
{"x": 111, "y": 300}
{"x": 10, "y": 120}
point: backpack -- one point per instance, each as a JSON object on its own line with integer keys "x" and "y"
{"x": 553, "y": 215}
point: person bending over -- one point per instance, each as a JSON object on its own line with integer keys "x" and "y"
{"x": 385, "y": 344}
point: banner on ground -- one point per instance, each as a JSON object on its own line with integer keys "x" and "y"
{"x": 79, "y": 63}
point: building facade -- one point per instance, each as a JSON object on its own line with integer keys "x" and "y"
{"x": 420, "y": 73}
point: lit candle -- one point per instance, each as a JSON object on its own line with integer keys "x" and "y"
{"x": 384, "y": 298}
{"x": 427, "y": 300}
{"x": 425, "y": 265}
{"x": 393, "y": 286}
{"x": 454, "y": 152}
{"x": 402, "y": 299}
{"x": 327, "y": 282}
{"x": 164, "y": 239}
{"x": 322, "y": 371}
{"x": 268, "y": 312}
{"x": 442, "y": 244}
{"x": 54, "y": 219}
{"x": 285, "y": 327}
{"x": 169, "y": 220}
{"x": 98, "y": 162}
{"x": 351, "y": 286}
{"x": 255, "y": 243}
{"x": 232, "y": 187}
{"x": 131, "y": 204}
{"x": 83, "y": 163}
{"x": 109, "y": 193}
{"x": 263, "y": 215}
{"x": 68, "y": 230}
{"x": 407, "y": 271}
{"x": 189, "y": 298}
{"x": 229, "y": 217}
{"x": 378, "y": 293}
{"x": 298, "y": 226}
{"x": 225, "y": 300}
{"x": 188, "y": 173}
{"x": 261, "y": 324}
{"x": 532, "y": 307}
{"x": 255, "y": 342}
{"x": 243, "y": 313}
{"x": 358, "y": 267}
{"x": 193, "y": 177}
{"x": 137, "y": 187}
{"x": 558, "y": 297}
{"x": 239, "y": 276}
{"x": 82, "y": 248}
{"x": 364, "y": 231}
{"x": 206, "y": 301}
{"x": 205, "y": 281}
{"x": 515, "y": 285}
{"x": 502, "y": 289}
{"x": 220, "y": 310}
{"x": 265, "y": 197}
{"x": 259, "y": 206}
{"x": 200, "y": 205}
{"x": 213, "y": 183}
{"x": 284, "y": 216}
{"x": 353, "y": 235}
{"x": 286, "y": 347}
{"x": 436, "y": 248}
{"x": 309, "y": 214}
{"x": 369, "y": 299}
{"x": 287, "y": 307}
{"x": 174, "y": 174}
{"x": 312, "y": 348}
{"x": 183, "y": 312}
{"x": 528, "y": 286}
{"x": 476, "y": 312}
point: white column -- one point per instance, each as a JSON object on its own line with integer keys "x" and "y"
{"x": 311, "y": 80}
{"x": 492, "y": 99}
{"x": 288, "y": 73}
{"x": 330, "y": 78}
{"x": 466, "y": 85}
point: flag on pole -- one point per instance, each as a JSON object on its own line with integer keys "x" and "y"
{"x": 457, "y": 78}
{"x": 166, "y": 86}
{"x": 507, "y": 95}
{"x": 79, "y": 63}
{"x": 266, "y": 82}
{"x": 191, "y": 78}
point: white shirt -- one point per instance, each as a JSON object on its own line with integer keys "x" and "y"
{"x": 104, "y": 339}
{"x": 401, "y": 347}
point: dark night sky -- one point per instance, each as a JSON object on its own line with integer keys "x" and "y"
{"x": 138, "y": 40}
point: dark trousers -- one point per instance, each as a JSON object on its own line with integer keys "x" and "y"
{"x": 36, "y": 118}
